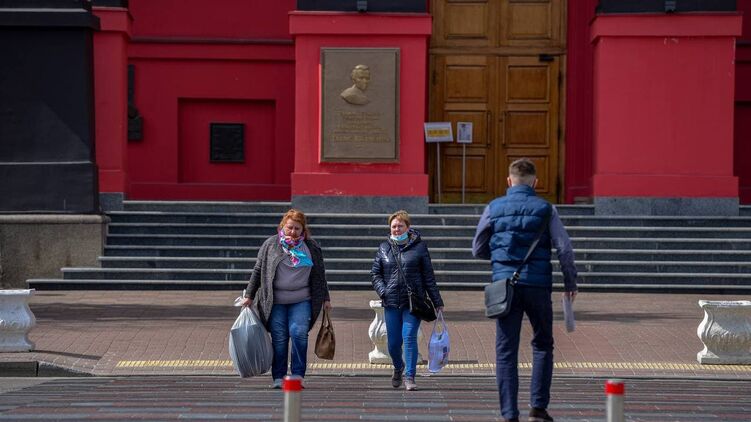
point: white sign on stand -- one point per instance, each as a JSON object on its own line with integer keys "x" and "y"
{"x": 464, "y": 137}
{"x": 437, "y": 132}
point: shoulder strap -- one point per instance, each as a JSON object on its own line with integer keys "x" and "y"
{"x": 532, "y": 248}
{"x": 399, "y": 266}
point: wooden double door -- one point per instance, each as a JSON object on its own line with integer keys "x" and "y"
{"x": 497, "y": 64}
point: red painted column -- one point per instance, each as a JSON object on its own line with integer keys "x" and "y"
{"x": 743, "y": 105}
{"x": 663, "y": 114}
{"x": 579, "y": 144}
{"x": 111, "y": 98}
{"x": 375, "y": 187}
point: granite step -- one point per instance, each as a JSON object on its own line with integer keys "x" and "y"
{"x": 434, "y": 241}
{"x": 435, "y": 253}
{"x": 418, "y": 220}
{"x": 281, "y": 207}
{"x": 357, "y": 264}
{"x": 477, "y": 209}
{"x": 427, "y": 231}
{"x": 445, "y": 279}
{"x": 479, "y": 274}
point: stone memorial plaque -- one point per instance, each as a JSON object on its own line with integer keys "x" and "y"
{"x": 360, "y": 105}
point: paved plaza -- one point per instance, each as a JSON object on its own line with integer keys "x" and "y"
{"x": 164, "y": 355}
{"x": 370, "y": 398}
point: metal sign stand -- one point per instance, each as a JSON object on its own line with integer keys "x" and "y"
{"x": 464, "y": 137}
{"x": 437, "y": 132}
{"x": 464, "y": 168}
{"x": 438, "y": 165}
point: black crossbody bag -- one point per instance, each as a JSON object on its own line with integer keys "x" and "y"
{"x": 421, "y": 307}
{"x": 499, "y": 294}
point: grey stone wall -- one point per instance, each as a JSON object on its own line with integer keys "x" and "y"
{"x": 666, "y": 206}
{"x": 361, "y": 204}
{"x": 37, "y": 246}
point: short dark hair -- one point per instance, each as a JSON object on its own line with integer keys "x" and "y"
{"x": 522, "y": 171}
{"x": 522, "y": 167}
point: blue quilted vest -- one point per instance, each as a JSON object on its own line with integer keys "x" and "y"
{"x": 515, "y": 219}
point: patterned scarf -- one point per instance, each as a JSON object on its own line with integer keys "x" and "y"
{"x": 295, "y": 252}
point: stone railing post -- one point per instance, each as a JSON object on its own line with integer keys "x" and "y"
{"x": 725, "y": 332}
{"x": 16, "y": 320}
{"x": 377, "y": 334}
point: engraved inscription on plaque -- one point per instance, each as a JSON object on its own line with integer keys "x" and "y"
{"x": 360, "y": 112}
{"x": 227, "y": 142}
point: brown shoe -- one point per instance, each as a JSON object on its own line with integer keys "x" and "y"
{"x": 539, "y": 415}
{"x": 409, "y": 384}
{"x": 396, "y": 379}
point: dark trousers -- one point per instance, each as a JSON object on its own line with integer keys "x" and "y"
{"x": 537, "y": 304}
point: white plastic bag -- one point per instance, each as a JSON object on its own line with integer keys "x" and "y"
{"x": 438, "y": 346}
{"x": 568, "y": 313}
{"x": 250, "y": 344}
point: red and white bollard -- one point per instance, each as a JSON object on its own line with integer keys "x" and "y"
{"x": 292, "y": 387}
{"x": 614, "y": 390}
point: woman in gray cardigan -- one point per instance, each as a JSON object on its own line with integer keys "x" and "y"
{"x": 289, "y": 286}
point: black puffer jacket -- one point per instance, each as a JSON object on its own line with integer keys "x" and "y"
{"x": 416, "y": 267}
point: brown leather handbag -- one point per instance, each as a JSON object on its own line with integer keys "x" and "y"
{"x": 325, "y": 342}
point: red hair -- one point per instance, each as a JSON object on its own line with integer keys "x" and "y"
{"x": 296, "y": 216}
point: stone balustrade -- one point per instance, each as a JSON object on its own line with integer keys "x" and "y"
{"x": 377, "y": 333}
{"x": 725, "y": 332}
{"x": 16, "y": 320}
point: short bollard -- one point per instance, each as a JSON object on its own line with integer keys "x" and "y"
{"x": 614, "y": 389}
{"x": 292, "y": 388}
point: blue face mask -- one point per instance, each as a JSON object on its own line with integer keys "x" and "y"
{"x": 400, "y": 238}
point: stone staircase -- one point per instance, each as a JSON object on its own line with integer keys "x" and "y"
{"x": 204, "y": 245}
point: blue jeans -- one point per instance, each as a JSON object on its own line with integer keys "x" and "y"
{"x": 289, "y": 321}
{"x": 538, "y": 306}
{"x": 401, "y": 326}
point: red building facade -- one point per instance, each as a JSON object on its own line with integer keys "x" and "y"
{"x": 196, "y": 64}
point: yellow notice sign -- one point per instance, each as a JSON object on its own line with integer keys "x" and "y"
{"x": 438, "y": 132}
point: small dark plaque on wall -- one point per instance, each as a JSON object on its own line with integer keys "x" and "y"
{"x": 227, "y": 142}
{"x": 662, "y": 6}
{"x": 415, "y": 6}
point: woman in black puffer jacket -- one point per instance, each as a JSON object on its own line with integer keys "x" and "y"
{"x": 401, "y": 326}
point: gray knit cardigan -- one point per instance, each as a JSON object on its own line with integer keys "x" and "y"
{"x": 262, "y": 279}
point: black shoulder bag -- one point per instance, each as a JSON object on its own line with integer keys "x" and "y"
{"x": 499, "y": 294}
{"x": 421, "y": 307}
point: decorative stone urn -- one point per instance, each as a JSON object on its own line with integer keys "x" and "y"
{"x": 377, "y": 333}
{"x": 16, "y": 320}
{"x": 725, "y": 332}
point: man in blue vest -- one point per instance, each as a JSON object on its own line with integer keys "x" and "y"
{"x": 507, "y": 228}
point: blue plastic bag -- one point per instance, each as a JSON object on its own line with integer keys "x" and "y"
{"x": 439, "y": 345}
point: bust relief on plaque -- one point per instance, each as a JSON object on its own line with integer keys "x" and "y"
{"x": 356, "y": 93}
{"x": 360, "y": 105}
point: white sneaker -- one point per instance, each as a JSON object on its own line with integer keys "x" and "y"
{"x": 277, "y": 383}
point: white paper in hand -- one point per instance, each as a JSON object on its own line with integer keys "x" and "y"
{"x": 568, "y": 313}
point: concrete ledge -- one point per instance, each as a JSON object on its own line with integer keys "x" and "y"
{"x": 19, "y": 369}
{"x": 38, "y": 245}
{"x": 53, "y": 219}
{"x": 49, "y": 370}
{"x": 362, "y": 204}
{"x": 666, "y": 206}
{"x": 37, "y": 369}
